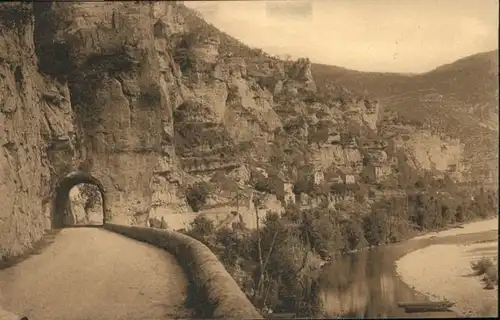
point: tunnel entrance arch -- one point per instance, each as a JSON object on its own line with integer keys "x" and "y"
{"x": 62, "y": 191}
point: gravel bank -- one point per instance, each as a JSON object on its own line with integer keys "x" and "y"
{"x": 444, "y": 271}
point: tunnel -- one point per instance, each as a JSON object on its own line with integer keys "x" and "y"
{"x": 62, "y": 196}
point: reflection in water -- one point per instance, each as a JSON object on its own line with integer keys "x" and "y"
{"x": 364, "y": 284}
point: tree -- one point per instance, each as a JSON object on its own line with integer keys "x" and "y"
{"x": 258, "y": 200}
{"x": 304, "y": 182}
{"x": 286, "y": 287}
{"x": 353, "y": 235}
{"x": 376, "y": 227}
{"x": 197, "y": 195}
{"x": 260, "y": 182}
{"x": 202, "y": 229}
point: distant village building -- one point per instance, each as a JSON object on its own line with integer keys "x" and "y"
{"x": 318, "y": 177}
{"x": 339, "y": 176}
{"x": 289, "y": 196}
{"x": 302, "y": 199}
{"x": 349, "y": 179}
{"x": 375, "y": 172}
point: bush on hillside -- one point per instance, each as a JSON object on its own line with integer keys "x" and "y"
{"x": 197, "y": 195}
{"x": 353, "y": 233}
{"x": 318, "y": 136}
{"x": 158, "y": 223}
{"x": 261, "y": 183}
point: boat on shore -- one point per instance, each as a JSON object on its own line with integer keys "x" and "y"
{"x": 426, "y": 306}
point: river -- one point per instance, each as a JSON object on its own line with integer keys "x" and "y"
{"x": 365, "y": 284}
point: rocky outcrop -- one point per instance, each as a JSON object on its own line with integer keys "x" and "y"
{"x": 201, "y": 142}
{"x": 300, "y": 76}
{"x": 435, "y": 153}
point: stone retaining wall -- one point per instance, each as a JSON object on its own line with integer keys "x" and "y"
{"x": 218, "y": 293}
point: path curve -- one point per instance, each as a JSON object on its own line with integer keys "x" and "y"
{"x": 92, "y": 273}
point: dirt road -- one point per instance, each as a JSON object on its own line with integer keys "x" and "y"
{"x": 91, "y": 273}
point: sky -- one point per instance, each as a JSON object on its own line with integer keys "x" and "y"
{"x": 407, "y": 36}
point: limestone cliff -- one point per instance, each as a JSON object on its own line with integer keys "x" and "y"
{"x": 33, "y": 132}
{"x": 82, "y": 90}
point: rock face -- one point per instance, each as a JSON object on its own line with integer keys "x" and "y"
{"x": 31, "y": 133}
{"x": 114, "y": 83}
{"x": 202, "y": 143}
{"x": 82, "y": 90}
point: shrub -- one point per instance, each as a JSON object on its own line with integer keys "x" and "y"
{"x": 185, "y": 60}
{"x": 261, "y": 183}
{"x": 202, "y": 229}
{"x": 197, "y": 195}
{"x": 318, "y": 136}
{"x": 481, "y": 266}
{"x": 486, "y": 268}
{"x": 491, "y": 277}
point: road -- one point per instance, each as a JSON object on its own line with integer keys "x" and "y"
{"x": 92, "y": 273}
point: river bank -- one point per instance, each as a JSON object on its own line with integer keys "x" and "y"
{"x": 443, "y": 271}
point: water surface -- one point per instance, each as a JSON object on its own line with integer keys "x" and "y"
{"x": 365, "y": 284}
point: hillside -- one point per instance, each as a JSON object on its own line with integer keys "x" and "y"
{"x": 459, "y": 100}
{"x": 283, "y": 122}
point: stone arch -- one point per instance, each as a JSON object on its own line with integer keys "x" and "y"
{"x": 62, "y": 195}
